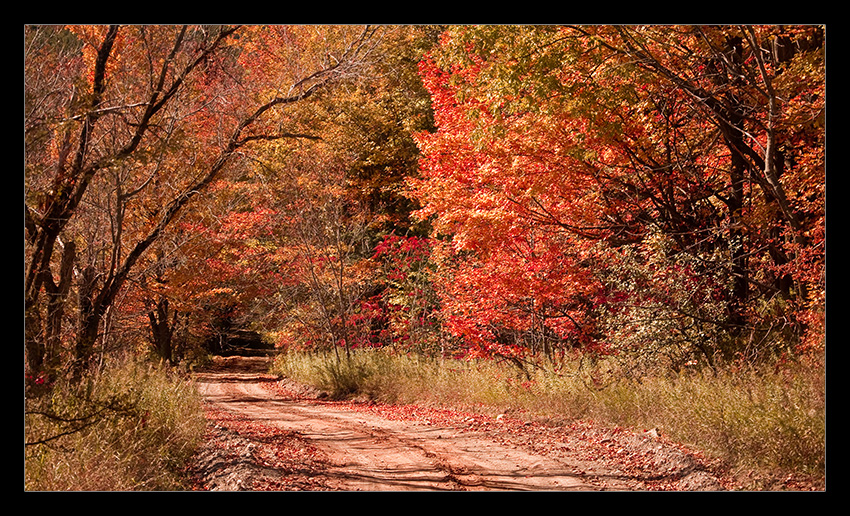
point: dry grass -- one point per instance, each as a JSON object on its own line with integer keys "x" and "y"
{"x": 130, "y": 428}
{"x": 765, "y": 419}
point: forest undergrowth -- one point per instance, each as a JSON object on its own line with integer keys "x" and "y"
{"x": 758, "y": 422}
{"x": 130, "y": 427}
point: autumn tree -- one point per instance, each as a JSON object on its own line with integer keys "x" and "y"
{"x": 378, "y": 120}
{"x": 206, "y": 275}
{"x": 589, "y": 177}
{"x": 331, "y": 200}
{"x": 407, "y": 306}
{"x": 321, "y": 235}
{"x": 124, "y": 127}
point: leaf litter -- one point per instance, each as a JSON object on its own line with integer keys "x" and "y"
{"x": 240, "y": 453}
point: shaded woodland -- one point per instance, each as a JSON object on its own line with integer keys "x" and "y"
{"x": 652, "y": 192}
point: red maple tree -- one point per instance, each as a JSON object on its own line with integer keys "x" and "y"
{"x": 573, "y": 166}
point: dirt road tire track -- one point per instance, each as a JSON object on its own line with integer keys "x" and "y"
{"x": 363, "y": 451}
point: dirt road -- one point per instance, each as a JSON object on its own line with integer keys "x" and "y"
{"x": 264, "y": 436}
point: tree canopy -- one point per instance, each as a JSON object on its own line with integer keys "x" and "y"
{"x": 629, "y": 186}
{"x": 648, "y": 190}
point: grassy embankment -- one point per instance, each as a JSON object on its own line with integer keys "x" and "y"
{"x": 135, "y": 425}
{"x": 765, "y": 420}
{"x": 130, "y": 428}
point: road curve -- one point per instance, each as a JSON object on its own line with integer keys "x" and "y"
{"x": 370, "y": 453}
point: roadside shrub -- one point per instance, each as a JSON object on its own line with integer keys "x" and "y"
{"x": 130, "y": 427}
{"x": 771, "y": 419}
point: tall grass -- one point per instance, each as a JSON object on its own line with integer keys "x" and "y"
{"x": 129, "y": 428}
{"x": 752, "y": 418}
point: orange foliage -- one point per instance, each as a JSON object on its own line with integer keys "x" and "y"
{"x": 556, "y": 146}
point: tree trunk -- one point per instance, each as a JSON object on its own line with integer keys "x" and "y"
{"x": 161, "y": 331}
{"x": 56, "y": 309}
{"x": 89, "y": 323}
{"x": 738, "y": 258}
{"x": 33, "y": 342}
